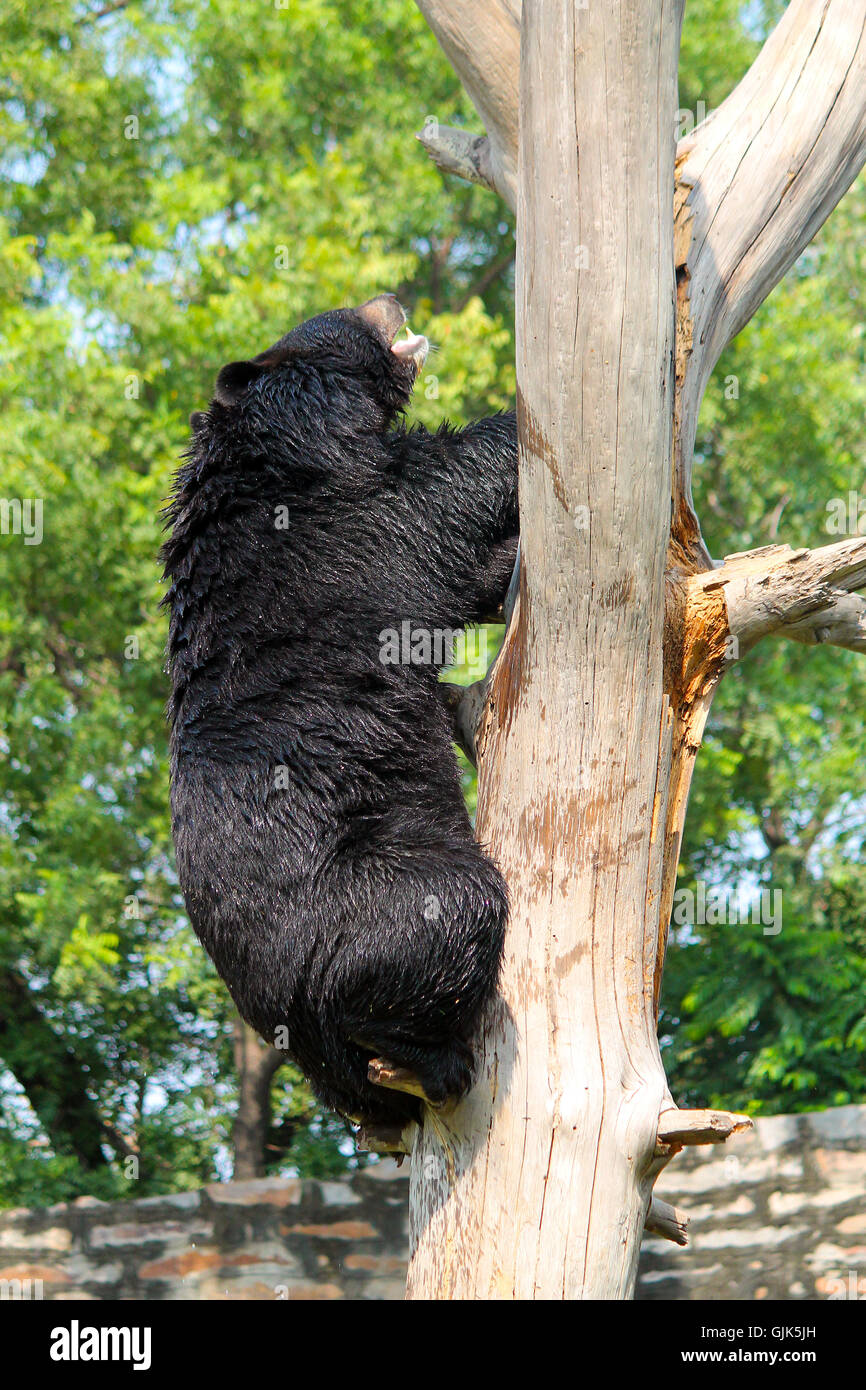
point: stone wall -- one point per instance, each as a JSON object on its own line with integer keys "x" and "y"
{"x": 780, "y": 1213}
{"x": 269, "y": 1239}
{"x": 777, "y": 1213}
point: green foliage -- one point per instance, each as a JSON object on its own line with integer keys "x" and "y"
{"x": 182, "y": 180}
{"x": 776, "y": 1022}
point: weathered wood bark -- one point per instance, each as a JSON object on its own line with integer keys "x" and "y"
{"x": 569, "y": 770}
{"x": 637, "y": 262}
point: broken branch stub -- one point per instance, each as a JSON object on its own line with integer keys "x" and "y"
{"x": 683, "y": 1127}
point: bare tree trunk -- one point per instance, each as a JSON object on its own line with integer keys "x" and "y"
{"x": 256, "y": 1064}
{"x": 637, "y": 262}
{"x": 563, "y": 1128}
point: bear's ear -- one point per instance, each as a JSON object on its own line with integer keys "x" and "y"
{"x": 197, "y": 420}
{"x": 234, "y": 379}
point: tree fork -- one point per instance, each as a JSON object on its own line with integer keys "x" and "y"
{"x": 539, "y": 1182}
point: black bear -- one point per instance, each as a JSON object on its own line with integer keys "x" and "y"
{"x": 323, "y": 845}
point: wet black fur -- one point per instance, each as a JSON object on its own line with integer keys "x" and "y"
{"x": 323, "y": 845}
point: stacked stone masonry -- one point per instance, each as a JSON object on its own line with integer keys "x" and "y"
{"x": 779, "y": 1213}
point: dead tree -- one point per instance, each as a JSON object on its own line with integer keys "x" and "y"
{"x": 637, "y": 262}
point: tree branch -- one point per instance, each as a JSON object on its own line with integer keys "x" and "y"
{"x": 482, "y": 43}
{"x": 455, "y": 151}
{"x": 666, "y": 1221}
{"x": 681, "y": 1127}
{"x": 841, "y": 624}
{"x": 803, "y": 594}
{"x": 102, "y": 13}
{"x": 756, "y": 180}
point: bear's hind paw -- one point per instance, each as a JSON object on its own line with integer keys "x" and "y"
{"x": 381, "y": 1072}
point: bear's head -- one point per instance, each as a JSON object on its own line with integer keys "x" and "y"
{"x": 358, "y": 347}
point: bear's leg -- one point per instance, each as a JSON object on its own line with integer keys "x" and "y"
{"x": 493, "y": 580}
{"x": 412, "y": 991}
{"x": 350, "y": 1091}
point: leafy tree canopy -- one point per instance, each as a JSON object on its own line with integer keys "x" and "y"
{"x": 182, "y": 180}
